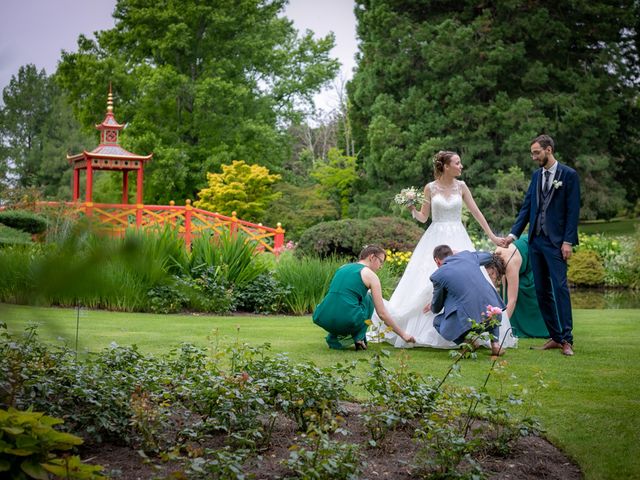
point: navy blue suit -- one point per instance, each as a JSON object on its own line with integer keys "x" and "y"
{"x": 462, "y": 289}
{"x": 561, "y": 208}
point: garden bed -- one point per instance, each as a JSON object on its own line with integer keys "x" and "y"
{"x": 531, "y": 457}
{"x": 237, "y": 411}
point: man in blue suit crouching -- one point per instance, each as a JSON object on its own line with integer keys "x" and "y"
{"x": 460, "y": 287}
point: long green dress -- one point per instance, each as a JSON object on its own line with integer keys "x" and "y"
{"x": 527, "y": 320}
{"x": 344, "y": 310}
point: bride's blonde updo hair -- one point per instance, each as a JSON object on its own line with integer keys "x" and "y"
{"x": 440, "y": 159}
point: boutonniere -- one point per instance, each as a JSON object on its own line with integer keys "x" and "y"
{"x": 557, "y": 184}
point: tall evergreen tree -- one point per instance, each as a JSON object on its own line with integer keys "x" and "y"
{"x": 37, "y": 130}
{"x": 199, "y": 83}
{"x": 484, "y": 78}
{"x": 27, "y": 101}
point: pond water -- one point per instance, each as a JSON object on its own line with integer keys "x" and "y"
{"x": 604, "y": 299}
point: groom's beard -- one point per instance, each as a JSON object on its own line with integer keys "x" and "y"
{"x": 544, "y": 161}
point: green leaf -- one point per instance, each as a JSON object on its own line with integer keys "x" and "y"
{"x": 13, "y": 430}
{"x": 5, "y": 465}
{"x": 34, "y": 470}
{"x": 19, "y": 452}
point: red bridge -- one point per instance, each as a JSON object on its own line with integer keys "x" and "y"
{"x": 189, "y": 221}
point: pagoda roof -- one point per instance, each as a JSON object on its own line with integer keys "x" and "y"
{"x": 108, "y": 151}
{"x": 109, "y": 122}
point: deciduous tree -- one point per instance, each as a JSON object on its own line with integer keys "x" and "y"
{"x": 199, "y": 83}
{"x": 337, "y": 176}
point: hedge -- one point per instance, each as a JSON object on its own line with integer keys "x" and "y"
{"x": 347, "y": 237}
{"x": 24, "y": 220}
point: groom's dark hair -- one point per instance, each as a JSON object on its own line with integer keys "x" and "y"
{"x": 442, "y": 251}
{"x": 544, "y": 141}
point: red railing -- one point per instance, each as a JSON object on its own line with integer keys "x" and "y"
{"x": 190, "y": 221}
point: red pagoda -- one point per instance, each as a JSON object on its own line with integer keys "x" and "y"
{"x": 108, "y": 155}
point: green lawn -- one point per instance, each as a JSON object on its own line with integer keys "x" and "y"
{"x": 617, "y": 226}
{"x": 591, "y": 409}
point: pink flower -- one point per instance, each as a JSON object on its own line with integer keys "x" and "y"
{"x": 492, "y": 311}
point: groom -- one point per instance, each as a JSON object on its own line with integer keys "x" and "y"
{"x": 460, "y": 287}
{"x": 551, "y": 207}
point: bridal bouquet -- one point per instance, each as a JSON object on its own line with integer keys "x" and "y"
{"x": 410, "y": 196}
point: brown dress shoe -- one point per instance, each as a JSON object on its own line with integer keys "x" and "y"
{"x": 567, "y": 349}
{"x": 549, "y": 345}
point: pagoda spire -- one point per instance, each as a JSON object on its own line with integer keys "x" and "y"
{"x": 109, "y": 127}
{"x": 110, "y": 100}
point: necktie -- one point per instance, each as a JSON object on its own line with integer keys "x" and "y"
{"x": 547, "y": 185}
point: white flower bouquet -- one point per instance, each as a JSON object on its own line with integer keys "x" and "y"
{"x": 410, "y": 196}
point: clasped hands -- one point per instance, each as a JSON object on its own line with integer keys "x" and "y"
{"x": 502, "y": 241}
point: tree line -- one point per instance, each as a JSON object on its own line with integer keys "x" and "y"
{"x": 204, "y": 85}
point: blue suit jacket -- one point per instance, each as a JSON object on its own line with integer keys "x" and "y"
{"x": 462, "y": 289}
{"x": 563, "y": 208}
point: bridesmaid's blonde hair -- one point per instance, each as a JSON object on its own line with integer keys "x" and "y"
{"x": 440, "y": 159}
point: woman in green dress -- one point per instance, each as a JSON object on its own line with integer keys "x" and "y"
{"x": 353, "y": 294}
{"x": 520, "y": 296}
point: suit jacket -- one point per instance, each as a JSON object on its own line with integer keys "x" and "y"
{"x": 562, "y": 204}
{"x": 462, "y": 289}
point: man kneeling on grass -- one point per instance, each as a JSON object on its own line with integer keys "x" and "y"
{"x": 460, "y": 287}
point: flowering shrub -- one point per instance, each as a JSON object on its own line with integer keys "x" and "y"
{"x": 396, "y": 262}
{"x": 623, "y": 269}
{"x": 618, "y": 256}
{"x": 290, "y": 246}
{"x": 605, "y": 247}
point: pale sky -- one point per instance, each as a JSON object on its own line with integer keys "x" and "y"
{"x": 36, "y": 31}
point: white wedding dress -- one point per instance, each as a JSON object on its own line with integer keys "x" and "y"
{"x": 415, "y": 290}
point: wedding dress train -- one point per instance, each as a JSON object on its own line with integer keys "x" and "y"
{"x": 415, "y": 290}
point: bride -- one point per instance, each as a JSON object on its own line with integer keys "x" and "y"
{"x": 443, "y": 199}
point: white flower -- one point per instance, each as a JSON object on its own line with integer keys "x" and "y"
{"x": 557, "y": 184}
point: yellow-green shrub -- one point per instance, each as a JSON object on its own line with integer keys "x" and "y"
{"x": 586, "y": 269}
{"x": 241, "y": 188}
